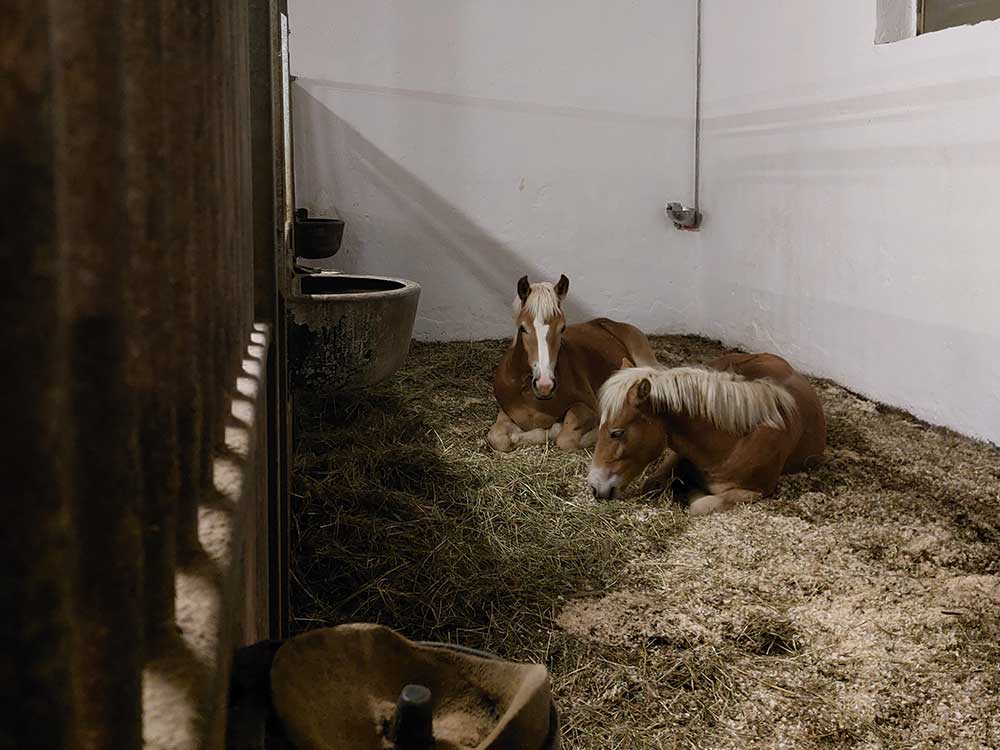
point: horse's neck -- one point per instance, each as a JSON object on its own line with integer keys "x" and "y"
{"x": 513, "y": 367}
{"x": 697, "y": 439}
{"x": 517, "y": 357}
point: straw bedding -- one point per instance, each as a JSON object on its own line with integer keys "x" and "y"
{"x": 860, "y": 607}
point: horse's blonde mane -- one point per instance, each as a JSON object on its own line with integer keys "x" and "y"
{"x": 726, "y": 399}
{"x": 542, "y": 303}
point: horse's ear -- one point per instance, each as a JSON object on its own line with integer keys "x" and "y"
{"x": 626, "y": 363}
{"x": 523, "y": 288}
{"x": 562, "y": 286}
{"x": 642, "y": 391}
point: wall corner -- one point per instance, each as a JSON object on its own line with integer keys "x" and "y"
{"x": 895, "y": 20}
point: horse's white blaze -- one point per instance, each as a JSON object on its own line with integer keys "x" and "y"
{"x": 543, "y": 366}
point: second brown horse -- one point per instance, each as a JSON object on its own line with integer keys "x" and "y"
{"x": 729, "y": 429}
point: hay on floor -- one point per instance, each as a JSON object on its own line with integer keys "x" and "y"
{"x": 857, "y": 608}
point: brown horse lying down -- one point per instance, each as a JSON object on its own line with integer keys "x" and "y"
{"x": 731, "y": 428}
{"x": 548, "y": 379}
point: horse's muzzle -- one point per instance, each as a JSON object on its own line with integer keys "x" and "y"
{"x": 543, "y": 391}
{"x": 603, "y": 484}
{"x": 608, "y": 494}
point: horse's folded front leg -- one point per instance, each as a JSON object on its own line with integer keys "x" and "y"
{"x": 505, "y": 435}
{"x": 501, "y": 436}
{"x": 538, "y": 436}
{"x": 722, "y": 502}
{"x": 579, "y": 421}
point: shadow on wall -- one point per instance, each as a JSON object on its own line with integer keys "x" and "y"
{"x": 341, "y": 173}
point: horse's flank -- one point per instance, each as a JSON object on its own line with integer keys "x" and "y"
{"x": 726, "y": 399}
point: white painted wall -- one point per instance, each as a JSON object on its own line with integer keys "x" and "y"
{"x": 850, "y": 189}
{"x": 852, "y": 194}
{"x": 467, "y": 142}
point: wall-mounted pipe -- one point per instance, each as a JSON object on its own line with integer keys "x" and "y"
{"x": 684, "y": 217}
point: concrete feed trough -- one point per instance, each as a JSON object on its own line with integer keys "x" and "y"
{"x": 347, "y": 332}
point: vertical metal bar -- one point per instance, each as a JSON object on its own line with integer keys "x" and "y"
{"x": 204, "y": 101}
{"x": 263, "y": 172}
{"x": 177, "y": 28}
{"x": 235, "y": 131}
{"x": 280, "y": 518}
{"x": 221, "y": 179}
{"x": 697, "y": 108}
{"x": 284, "y": 203}
{"x": 240, "y": 133}
{"x": 36, "y": 546}
{"x": 92, "y": 228}
{"x": 288, "y": 188}
{"x": 151, "y": 304}
{"x": 246, "y": 169}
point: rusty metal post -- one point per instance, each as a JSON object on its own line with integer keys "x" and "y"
{"x": 36, "y": 545}
{"x": 91, "y": 213}
{"x": 177, "y": 34}
{"x": 204, "y": 100}
{"x": 151, "y": 269}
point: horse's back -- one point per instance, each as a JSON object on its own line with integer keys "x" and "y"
{"x": 755, "y": 366}
{"x": 809, "y": 425}
{"x": 631, "y": 338}
{"x": 591, "y": 353}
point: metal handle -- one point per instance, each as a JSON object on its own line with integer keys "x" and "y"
{"x": 414, "y": 728}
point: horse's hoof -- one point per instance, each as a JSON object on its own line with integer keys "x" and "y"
{"x": 500, "y": 444}
{"x": 568, "y": 445}
{"x": 704, "y": 506}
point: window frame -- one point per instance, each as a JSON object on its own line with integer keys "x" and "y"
{"x": 923, "y": 14}
{"x": 897, "y": 20}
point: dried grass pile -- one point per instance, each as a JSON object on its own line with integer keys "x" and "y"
{"x": 858, "y": 608}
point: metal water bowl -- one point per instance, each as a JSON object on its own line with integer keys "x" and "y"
{"x": 317, "y": 238}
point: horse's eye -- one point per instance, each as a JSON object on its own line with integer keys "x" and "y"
{"x": 522, "y": 329}
{"x": 562, "y": 330}
{"x": 617, "y": 434}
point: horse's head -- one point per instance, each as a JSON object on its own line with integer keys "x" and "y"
{"x": 540, "y": 324}
{"x": 631, "y": 436}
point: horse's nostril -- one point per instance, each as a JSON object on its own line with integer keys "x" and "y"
{"x": 593, "y": 491}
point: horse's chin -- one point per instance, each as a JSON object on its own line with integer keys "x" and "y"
{"x": 544, "y": 398}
